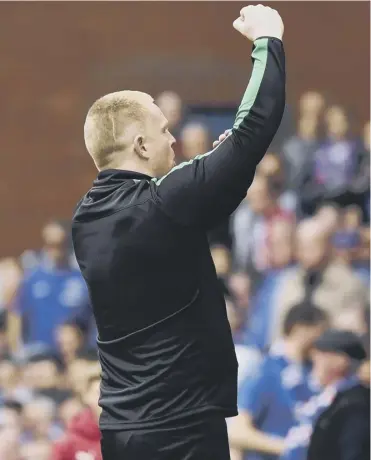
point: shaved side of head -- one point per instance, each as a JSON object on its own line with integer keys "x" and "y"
{"x": 109, "y": 125}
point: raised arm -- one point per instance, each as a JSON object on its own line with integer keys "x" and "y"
{"x": 208, "y": 188}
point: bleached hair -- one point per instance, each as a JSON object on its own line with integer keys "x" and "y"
{"x": 107, "y": 122}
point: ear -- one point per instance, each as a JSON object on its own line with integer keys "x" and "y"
{"x": 140, "y": 147}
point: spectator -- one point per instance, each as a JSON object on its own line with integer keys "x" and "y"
{"x": 331, "y": 286}
{"x": 195, "y": 140}
{"x": 53, "y": 235}
{"x": 248, "y": 358}
{"x": 42, "y": 374}
{"x": 50, "y": 295}
{"x": 70, "y": 340}
{"x": 252, "y": 224}
{"x": 334, "y": 425}
{"x": 347, "y": 239}
{"x": 10, "y": 384}
{"x": 83, "y": 435}
{"x": 258, "y": 328}
{"x": 311, "y": 104}
{"x": 360, "y": 186}
{"x": 334, "y": 166}
{"x": 39, "y": 420}
{"x": 79, "y": 370}
{"x": 267, "y": 402}
{"x": 328, "y": 217}
{"x": 171, "y": 106}
{"x": 69, "y": 408}
{"x": 271, "y": 167}
{"x": 298, "y": 153}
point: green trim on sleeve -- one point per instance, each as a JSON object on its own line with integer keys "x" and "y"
{"x": 260, "y": 56}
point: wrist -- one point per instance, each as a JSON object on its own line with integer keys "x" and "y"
{"x": 274, "y": 36}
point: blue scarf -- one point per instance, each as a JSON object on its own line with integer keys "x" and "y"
{"x": 298, "y": 438}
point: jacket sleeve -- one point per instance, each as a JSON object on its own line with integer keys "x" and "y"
{"x": 207, "y": 189}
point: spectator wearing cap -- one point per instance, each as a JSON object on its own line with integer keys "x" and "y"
{"x": 269, "y": 399}
{"x": 82, "y": 439}
{"x": 334, "y": 425}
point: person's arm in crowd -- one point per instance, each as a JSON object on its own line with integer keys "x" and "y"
{"x": 354, "y": 436}
{"x": 254, "y": 401}
{"x": 243, "y": 435}
{"x": 206, "y": 190}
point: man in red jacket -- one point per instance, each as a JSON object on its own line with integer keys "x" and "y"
{"x": 82, "y": 440}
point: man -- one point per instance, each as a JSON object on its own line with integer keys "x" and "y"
{"x": 335, "y": 425}
{"x": 169, "y": 370}
{"x": 82, "y": 441}
{"x": 252, "y": 226}
{"x": 49, "y": 295}
{"x": 329, "y": 285}
{"x": 268, "y": 401}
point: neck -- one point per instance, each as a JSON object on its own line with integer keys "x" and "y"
{"x": 131, "y": 163}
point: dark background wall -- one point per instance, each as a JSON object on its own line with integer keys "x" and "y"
{"x": 56, "y": 58}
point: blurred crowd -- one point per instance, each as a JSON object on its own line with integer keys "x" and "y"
{"x": 293, "y": 260}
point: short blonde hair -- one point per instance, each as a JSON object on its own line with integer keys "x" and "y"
{"x": 106, "y": 123}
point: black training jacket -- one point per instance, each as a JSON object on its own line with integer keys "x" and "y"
{"x": 164, "y": 340}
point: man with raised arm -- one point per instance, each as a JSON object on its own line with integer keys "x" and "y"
{"x": 169, "y": 370}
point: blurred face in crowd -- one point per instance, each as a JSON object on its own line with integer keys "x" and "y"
{"x": 55, "y": 242}
{"x": 312, "y": 245}
{"x": 328, "y": 367}
{"x": 37, "y": 450}
{"x": 352, "y": 218}
{"x": 311, "y": 104}
{"x": 68, "y": 409}
{"x": 329, "y": 218}
{"x": 195, "y": 140}
{"x": 8, "y": 375}
{"x": 281, "y": 240}
{"x": 271, "y": 166}
{"x": 221, "y": 259}
{"x": 304, "y": 336}
{"x": 79, "y": 372}
{"x": 38, "y": 416}
{"x": 41, "y": 375}
{"x": 308, "y": 127}
{"x": 259, "y": 197}
{"x": 69, "y": 340}
{"x": 171, "y": 106}
{"x": 366, "y": 135}
{"x": 336, "y": 122}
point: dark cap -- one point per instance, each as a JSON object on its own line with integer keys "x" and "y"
{"x": 345, "y": 342}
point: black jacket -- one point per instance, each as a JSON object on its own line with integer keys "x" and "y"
{"x": 164, "y": 343}
{"x": 343, "y": 430}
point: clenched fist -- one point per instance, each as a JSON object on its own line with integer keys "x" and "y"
{"x": 259, "y": 21}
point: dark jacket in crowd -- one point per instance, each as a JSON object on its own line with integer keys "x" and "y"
{"x": 342, "y": 432}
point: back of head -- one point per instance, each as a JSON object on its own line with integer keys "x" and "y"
{"x": 303, "y": 314}
{"x": 108, "y": 125}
